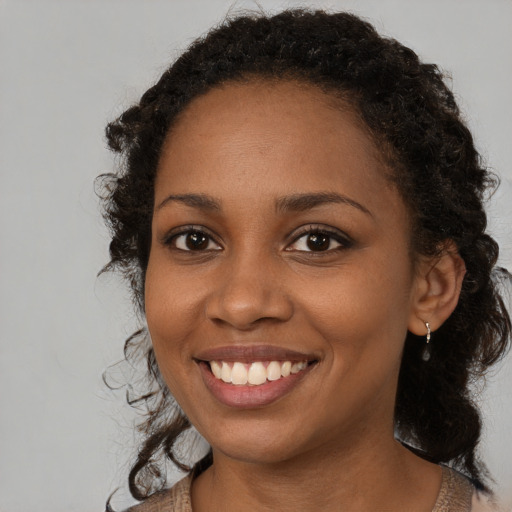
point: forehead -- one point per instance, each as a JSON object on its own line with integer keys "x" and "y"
{"x": 271, "y": 137}
{"x": 268, "y": 108}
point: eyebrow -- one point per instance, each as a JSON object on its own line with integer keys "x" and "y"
{"x": 284, "y": 204}
{"x": 201, "y": 201}
{"x": 304, "y": 202}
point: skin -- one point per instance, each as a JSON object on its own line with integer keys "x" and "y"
{"x": 328, "y": 444}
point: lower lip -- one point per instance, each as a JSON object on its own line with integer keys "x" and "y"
{"x": 249, "y": 397}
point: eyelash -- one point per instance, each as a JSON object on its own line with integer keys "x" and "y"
{"x": 171, "y": 238}
{"x": 344, "y": 241}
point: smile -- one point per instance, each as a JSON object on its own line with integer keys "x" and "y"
{"x": 256, "y": 373}
{"x": 246, "y": 377}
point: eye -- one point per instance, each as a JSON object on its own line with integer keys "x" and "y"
{"x": 319, "y": 240}
{"x": 193, "y": 240}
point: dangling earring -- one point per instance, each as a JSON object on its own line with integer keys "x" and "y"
{"x": 425, "y": 355}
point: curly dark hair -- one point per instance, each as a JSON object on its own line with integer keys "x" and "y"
{"x": 413, "y": 118}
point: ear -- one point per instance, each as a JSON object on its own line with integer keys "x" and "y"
{"x": 438, "y": 282}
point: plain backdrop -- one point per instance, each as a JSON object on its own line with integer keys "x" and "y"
{"x": 66, "y": 68}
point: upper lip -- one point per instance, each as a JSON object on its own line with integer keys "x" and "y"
{"x": 251, "y": 353}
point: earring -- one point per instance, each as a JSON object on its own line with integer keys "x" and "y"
{"x": 425, "y": 355}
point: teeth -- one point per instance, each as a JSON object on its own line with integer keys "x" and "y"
{"x": 239, "y": 374}
{"x": 226, "y": 373}
{"x": 216, "y": 369}
{"x": 297, "y": 367}
{"x": 256, "y": 373}
{"x": 285, "y": 368}
{"x": 273, "y": 371}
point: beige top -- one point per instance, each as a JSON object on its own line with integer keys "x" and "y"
{"x": 456, "y": 495}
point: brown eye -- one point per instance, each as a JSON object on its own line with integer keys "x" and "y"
{"x": 194, "y": 240}
{"x": 318, "y": 242}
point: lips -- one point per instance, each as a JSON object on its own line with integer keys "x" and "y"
{"x": 256, "y": 373}
{"x": 252, "y": 376}
{"x": 251, "y": 353}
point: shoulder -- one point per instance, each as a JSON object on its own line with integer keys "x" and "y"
{"x": 457, "y": 494}
{"x": 175, "y": 499}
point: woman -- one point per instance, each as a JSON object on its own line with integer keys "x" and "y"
{"x": 299, "y": 213}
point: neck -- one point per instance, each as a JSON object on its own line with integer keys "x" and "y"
{"x": 353, "y": 476}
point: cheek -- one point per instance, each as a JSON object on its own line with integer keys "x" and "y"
{"x": 364, "y": 310}
{"x": 171, "y": 307}
{"x": 171, "y": 295}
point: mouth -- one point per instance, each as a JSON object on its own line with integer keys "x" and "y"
{"x": 249, "y": 377}
{"x": 256, "y": 373}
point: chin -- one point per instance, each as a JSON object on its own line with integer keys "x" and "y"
{"x": 260, "y": 444}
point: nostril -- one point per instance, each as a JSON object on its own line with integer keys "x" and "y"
{"x": 247, "y": 306}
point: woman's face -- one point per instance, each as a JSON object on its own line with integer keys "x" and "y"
{"x": 279, "y": 286}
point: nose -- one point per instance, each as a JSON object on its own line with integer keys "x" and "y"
{"x": 248, "y": 293}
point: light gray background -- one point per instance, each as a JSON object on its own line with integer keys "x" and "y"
{"x": 66, "y": 67}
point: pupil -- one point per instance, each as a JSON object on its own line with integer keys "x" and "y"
{"x": 196, "y": 241}
{"x": 318, "y": 242}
